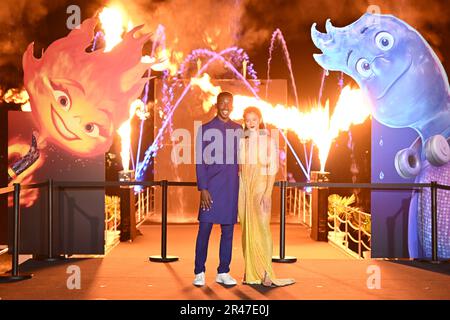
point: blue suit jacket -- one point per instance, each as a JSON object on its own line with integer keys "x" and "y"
{"x": 217, "y": 167}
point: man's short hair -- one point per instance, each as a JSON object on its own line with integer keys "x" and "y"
{"x": 224, "y": 94}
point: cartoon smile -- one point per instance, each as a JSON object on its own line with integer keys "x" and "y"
{"x": 386, "y": 90}
{"x": 61, "y": 127}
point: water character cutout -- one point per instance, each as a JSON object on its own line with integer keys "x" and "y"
{"x": 407, "y": 87}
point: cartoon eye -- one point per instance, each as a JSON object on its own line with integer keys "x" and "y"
{"x": 63, "y": 99}
{"x": 363, "y": 67}
{"x": 92, "y": 130}
{"x": 384, "y": 41}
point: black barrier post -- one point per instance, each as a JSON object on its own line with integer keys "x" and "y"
{"x": 163, "y": 257}
{"x": 15, "y": 276}
{"x": 51, "y": 257}
{"x": 282, "y": 258}
{"x": 434, "y": 226}
{"x": 50, "y": 218}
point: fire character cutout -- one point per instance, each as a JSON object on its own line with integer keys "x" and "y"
{"x": 78, "y": 98}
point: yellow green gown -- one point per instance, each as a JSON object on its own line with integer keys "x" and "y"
{"x": 258, "y": 168}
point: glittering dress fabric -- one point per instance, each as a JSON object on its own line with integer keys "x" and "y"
{"x": 256, "y": 179}
{"x": 420, "y": 244}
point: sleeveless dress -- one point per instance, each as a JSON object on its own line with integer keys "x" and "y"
{"x": 258, "y": 168}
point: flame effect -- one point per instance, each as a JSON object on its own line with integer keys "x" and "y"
{"x": 316, "y": 125}
{"x": 125, "y": 134}
{"x": 171, "y": 59}
{"x": 211, "y": 91}
{"x": 18, "y": 97}
{"x": 209, "y": 40}
{"x": 113, "y": 25}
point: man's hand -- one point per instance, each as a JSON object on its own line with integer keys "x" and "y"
{"x": 205, "y": 200}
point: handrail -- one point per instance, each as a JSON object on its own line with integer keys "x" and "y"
{"x": 299, "y": 203}
{"x": 347, "y": 222}
{"x": 353, "y": 226}
{"x": 182, "y": 184}
{"x": 353, "y": 239}
{"x": 337, "y": 217}
{"x": 377, "y": 186}
{"x": 6, "y": 190}
{"x": 10, "y": 189}
{"x": 381, "y": 186}
{"x": 367, "y": 247}
{"x": 442, "y": 186}
{"x": 366, "y": 233}
{"x": 353, "y": 209}
{"x": 34, "y": 185}
{"x": 101, "y": 184}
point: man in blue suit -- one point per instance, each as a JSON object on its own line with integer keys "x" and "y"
{"x": 218, "y": 182}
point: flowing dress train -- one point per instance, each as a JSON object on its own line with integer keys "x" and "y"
{"x": 257, "y": 175}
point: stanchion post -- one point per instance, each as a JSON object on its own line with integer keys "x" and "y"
{"x": 282, "y": 258}
{"x": 15, "y": 276}
{"x": 50, "y": 218}
{"x": 163, "y": 257}
{"x": 434, "y": 226}
{"x": 165, "y": 190}
{"x": 282, "y": 218}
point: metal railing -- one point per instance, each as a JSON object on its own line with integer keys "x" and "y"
{"x": 112, "y": 222}
{"x": 144, "y": 207}
{"x": 433, "y": 185}
{"x": 341, "y": 239}
{"x": 15, "y": 189}
{"x": 298, "y": 205}
{"x": 145, "y": 204}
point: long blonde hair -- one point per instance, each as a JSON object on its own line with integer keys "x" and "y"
{"x": 256, "y": 111}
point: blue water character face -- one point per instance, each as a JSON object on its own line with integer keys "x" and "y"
{"x": 392, "y": 64}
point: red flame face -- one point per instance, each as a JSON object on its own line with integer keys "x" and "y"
{"x": 79, "y": 98}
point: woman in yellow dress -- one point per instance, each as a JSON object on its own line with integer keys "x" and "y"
{"x": 258, "y": 167}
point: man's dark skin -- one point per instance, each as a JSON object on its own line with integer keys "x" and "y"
{"x": 224, "y": 107}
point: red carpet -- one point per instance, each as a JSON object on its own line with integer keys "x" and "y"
{"x": 322, "y": 272}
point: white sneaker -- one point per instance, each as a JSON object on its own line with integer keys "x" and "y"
{"x": 226, "y": 279}
{"x": 199, "y": 279}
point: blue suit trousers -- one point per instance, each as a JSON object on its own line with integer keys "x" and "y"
{"x": 201, "y": 248}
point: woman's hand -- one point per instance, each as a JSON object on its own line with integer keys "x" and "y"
{"x": 266, "y": 202}
{"x": 205, "y": 200}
